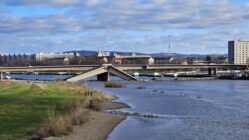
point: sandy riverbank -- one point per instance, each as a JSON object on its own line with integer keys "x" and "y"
{"x": 99, "y": 125}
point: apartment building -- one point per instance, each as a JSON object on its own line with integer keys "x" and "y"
{"x": 238, "y": 52}
{"x": 45, "y": 56}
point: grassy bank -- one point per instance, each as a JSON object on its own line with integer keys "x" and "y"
{"x": 25, "y": 107}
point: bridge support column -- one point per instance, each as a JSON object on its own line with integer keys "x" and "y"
{"x": 103, "y": 77}
{"x": 215, "y": 71}
{"x": 209, "y": 71}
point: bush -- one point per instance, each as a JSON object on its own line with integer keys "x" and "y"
{"x": 94, "y": 105}
{"x": 112, "y": 84}
{"x": 70, "y": 104}
{"x": 58, "y": 79}
{"x": 79, "y": 117}
{"x": 58, "y": 125}
{"x": 55, "y": 125}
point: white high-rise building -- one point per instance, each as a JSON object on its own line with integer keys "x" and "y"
{"x": 238, "y": 52}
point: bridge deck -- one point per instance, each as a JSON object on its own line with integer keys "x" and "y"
{"x": 101, "y": 70}
{"x": 121, "y": 67}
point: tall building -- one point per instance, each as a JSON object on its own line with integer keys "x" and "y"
{"x": 238, "y": 52}
{"x": 15, "y": 59}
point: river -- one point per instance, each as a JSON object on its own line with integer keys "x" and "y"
{"x": 189, "y": 110}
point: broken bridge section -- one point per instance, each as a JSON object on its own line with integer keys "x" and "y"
{"x": 102, "y": 74}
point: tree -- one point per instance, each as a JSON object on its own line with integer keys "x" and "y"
{"x": 211, "y": 59}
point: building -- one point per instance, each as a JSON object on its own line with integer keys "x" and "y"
{"x": 164, "y": 60}
{"x": 103, "y": 53}
{"x": 56, "y": 61}
{"x": 15, "y": 59}
{"x": 133, "y": 59}
{"x": 238, "y": 52}
{"x": 184, "y": 62}
{"x": 46, "y": 56}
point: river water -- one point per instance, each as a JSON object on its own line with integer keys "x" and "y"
{"x": 190, "y": 110}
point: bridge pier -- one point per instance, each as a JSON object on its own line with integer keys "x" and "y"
{"x": 215, "y": 71}
{"x": 210, "y": 71}
{"x": 103, "y": 77}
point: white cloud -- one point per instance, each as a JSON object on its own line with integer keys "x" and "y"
{"x": 91, "y": 3}
{"x": 150, "y": 14}
{"x": 39, "y": 2}
{"x": 203, "y": 24}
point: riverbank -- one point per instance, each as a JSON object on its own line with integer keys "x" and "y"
{"x": 26, "y": 109}
{"x": 99, "y": 125}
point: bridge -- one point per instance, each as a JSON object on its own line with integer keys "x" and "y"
{"x": 103, "y": 71}
{"x": 102, "y": 74}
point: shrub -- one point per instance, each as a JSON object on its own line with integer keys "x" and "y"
{"x": 94, "y": 105}
{"x": 79, "y": 117}
{"x": 55, "y": 125}
{"x": 70, "y": 104}
{"x": 58, "y": 79}
{"x": 112, "y": 84}
{"x": 59, "y": 126}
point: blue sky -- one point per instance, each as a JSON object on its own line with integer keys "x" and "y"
{"x": 193, "y": 26}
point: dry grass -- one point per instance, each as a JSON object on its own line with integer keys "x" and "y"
{"x": 113, "y": 84}
{"x": 101, "y": 96}
{"x": 94, "y": 105}
{"x": 70, "y": 104}
{"x": 58, "y": 125}
{"x": 57, "y": 79}
{"x": 55, "y": 125}
{"x": 79, "y": 117}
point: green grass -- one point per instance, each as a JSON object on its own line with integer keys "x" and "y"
{"x": 24, "y": 107}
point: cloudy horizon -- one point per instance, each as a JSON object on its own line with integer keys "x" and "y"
{"x": 147, "y": 26}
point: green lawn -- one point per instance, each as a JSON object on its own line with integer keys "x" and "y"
{"x": 24, "y": 107}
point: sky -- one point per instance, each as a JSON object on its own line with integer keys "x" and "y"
{"x": 148, "y": 26}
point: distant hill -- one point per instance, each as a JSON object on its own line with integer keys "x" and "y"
{"x": 92, "y": 53}
{"x": 184, "y": 55}
{"x": 83, "y": 52}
